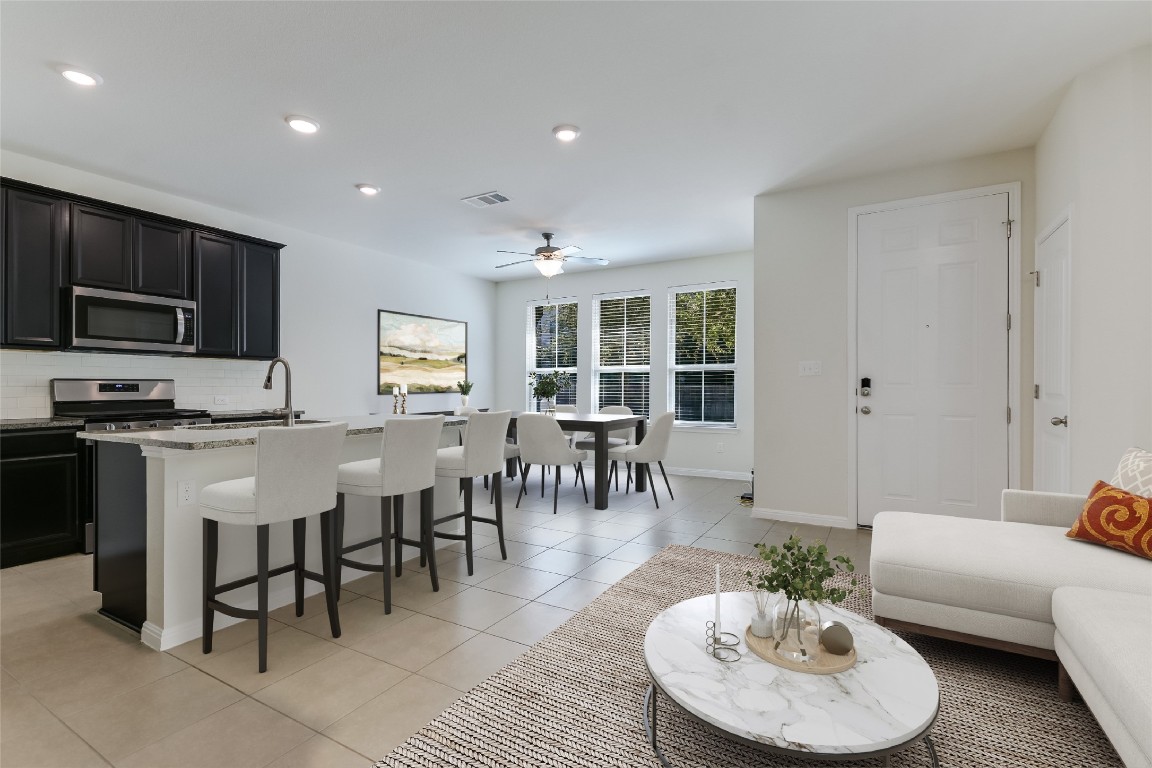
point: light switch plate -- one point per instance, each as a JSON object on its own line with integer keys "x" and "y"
{"x": 810, "y": 368}
{"x": 220, "y": 400}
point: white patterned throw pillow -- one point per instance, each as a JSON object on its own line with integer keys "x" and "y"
{"x": 1134, "y": 473}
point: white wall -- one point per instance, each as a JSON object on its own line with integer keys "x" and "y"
{"x": 1095, "y": 161}
{"x": 692, "y": 449}
{"x": 804, "y": 458}
{"x": 329, "y": 294}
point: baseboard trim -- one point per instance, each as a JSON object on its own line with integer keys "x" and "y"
{"x": 719, "y": 474}
{"x": 806, "y": 518}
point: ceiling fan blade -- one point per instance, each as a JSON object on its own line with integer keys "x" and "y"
{"x": 518, "y": 253}
{"x": 513, "y": 263}
{"x": 590, "y": 259}
{"x": 569, "y": 249}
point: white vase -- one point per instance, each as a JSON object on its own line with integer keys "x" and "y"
{"x": 796, "y": 630}
{"x": 547, "y": 405}
{"x": 761, "y": 625}
{"x": 463, "y": 400}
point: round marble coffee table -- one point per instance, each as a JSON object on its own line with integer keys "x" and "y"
{"x": 883, "y": 704}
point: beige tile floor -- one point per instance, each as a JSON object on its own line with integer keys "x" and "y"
{"x": 78, "y": 690}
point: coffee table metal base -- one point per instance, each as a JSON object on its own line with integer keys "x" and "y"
{"x": 650, "y": 731}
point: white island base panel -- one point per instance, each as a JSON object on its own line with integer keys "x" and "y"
{"x": 174, "y": 537}
{"x": 888, "y": 699}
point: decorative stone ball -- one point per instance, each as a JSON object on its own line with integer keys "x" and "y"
{"x": 836, "y": 638}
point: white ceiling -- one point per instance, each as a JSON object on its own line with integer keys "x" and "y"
{"x": 688, "y": 109}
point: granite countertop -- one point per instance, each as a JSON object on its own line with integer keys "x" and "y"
{"x": 42, "y": 422}
{"x": 250, "y": 412}
{"x": 206, "y": 437}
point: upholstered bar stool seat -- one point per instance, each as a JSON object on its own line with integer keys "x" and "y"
{"x": 481, "y": 455}
{"x": 407, "y": 464}
{"x": 295, "y": 479}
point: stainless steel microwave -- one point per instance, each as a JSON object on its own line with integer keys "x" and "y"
{"x": 131, "y": 321}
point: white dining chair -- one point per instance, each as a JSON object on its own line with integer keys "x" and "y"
{"x": 295, "y": 479}
{"x": 616, "y": 438}
{"x": 542, "y": 442}
{"x": 653, "y": 448}
{"x": 407, "y": 464}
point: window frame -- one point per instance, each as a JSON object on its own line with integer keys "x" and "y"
{"x": 531, "y": 403}
{"x": 597, "y": 368}
{"x": 734, "y": 367}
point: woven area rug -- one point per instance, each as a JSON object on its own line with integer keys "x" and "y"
{"x": 574, "y": 699}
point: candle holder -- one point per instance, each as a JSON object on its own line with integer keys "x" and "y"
{"x": 403, "y": 402}
{"x": 395, "y": 403}
{"x": 720, "y": 645}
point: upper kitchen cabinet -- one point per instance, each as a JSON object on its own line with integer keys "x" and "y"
{"x": 35, "y": 246}
{"x": 122, "y": 252}
{"x": 237, "y": 297}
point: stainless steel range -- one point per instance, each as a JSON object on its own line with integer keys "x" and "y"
{"x": 122, "y": 404}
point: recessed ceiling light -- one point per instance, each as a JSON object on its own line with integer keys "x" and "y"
{"x": 81, "y": 78}
{"x": 566, "y": 132}
{"x": 302, "y": 124}
{"x": 368, "y": 189}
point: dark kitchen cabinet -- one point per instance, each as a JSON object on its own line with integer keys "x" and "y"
{"x": 35, "y": 247}
{"x": 121, "y": 252}
{"x": 217, "y": 294}
{"x": 259, "y": 301}
{"x": 39, "y": 509}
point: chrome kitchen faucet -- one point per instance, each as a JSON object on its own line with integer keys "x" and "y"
{"x": 286, "y": 411}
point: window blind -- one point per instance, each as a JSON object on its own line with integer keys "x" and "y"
{"x": 624, "y": 356}
{"x": 553, "y": 342}
{"x": 703, "y": 351}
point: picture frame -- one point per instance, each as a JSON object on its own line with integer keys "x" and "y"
{"x": 428, "y": 354}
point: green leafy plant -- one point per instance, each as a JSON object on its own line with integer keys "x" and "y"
{"x": 465, "y": 386}
{"x": 546, "y": 385}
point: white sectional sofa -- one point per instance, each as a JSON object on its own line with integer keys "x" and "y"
{"x": 1020, "y": 585}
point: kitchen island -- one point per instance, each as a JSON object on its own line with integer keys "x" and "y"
{"x": 148, "y": 525}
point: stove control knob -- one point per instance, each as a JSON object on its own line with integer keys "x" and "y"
{"x": 110, "y": 427}
{"x": 177, "y": 423}
{"x": 154, "y": 424}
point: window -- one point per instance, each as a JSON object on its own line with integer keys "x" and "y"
{"x": 623, "y": 354}
{"x": 702, "y": 354}
{"x": 552, "y": 346}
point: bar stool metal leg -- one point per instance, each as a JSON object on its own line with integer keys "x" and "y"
{"x": 468, "y": 522}
{"x": 299, "y": 529}
{"x": 499, "y": 503}
{"x": 338, "y": 542}
{"x": 386, "y": 508}
{"x": 428, "y": 534}
{"x": 398, "y": 526}
{"x": 262, "y": 594}
{"x": 211, "y": 530}
{"x": 329, "y": 562}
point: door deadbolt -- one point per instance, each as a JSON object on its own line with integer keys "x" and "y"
{"x": 865, "y": 386}
{"x": 865, "y": 410}
{"x": 1059, "y": 422}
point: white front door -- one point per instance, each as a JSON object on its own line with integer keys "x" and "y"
{"x": 932, "y": 336}
{"x": 1053, "y": 299}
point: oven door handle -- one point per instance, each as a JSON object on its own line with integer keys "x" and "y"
{"x": 179, "y": 325}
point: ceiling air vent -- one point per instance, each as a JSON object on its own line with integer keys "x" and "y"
{"x": 484, "y": 200}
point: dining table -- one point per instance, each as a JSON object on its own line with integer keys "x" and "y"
{"x": 599, "y": 425}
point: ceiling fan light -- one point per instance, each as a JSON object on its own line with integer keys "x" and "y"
{"x": 566, "y": 132}
{"x": 549, "y": 267}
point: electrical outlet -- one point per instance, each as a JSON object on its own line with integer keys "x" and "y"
{"x": 186, "y": 493}
{"x": 220, "y": 400}
{"x": 720, "y": 447}
{"x": 810, "y": 368}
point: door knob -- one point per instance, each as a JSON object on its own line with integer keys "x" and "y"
{"x": 1057, "y": 421}
{"x": 865, "y": 410}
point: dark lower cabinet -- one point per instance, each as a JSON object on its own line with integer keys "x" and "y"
{"x": 39, "y": 502}
{"x": 35, "y": 251}
{"x": 122, "y": 533}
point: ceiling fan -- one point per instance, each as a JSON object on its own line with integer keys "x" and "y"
{"x": 549, "y": 259}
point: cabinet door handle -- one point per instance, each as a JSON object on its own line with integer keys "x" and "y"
{"x": 179, "y": 325}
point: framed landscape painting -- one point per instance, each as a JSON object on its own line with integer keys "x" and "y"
{"x": 429, "y": 354}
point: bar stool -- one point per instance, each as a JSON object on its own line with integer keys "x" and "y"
{"x": 407, "y": 464}
{"x": 653, "y": 448}
{"x": 482, "y": 454}
{"x": 295, "y": 479}
{"x": 543, "y": 442}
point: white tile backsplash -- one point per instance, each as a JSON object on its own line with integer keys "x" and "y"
{"x": 24, "y": 379}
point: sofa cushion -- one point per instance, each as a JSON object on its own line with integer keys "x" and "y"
{"x": 1002, "y": 568}
{"x": 1108, "y": 633}
{"x": 1134, "y": 473}
{"x": 1117, "y": 519}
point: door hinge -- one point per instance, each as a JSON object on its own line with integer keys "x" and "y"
{"x": 1037, "y": 274}
{"x": 1036, "y": 391}
{"x": 1009, "y": 223}
{"x": 1009, "y": 414}
{"x": 1009, "y": 321}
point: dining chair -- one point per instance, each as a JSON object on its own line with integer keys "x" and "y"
{"x": 407, "y": 464}
{"x": 543, "y": 442}
{"x": 616, "y": 437}
{"x": 481, "y": 455}
{"x": 653, "y": 448}
{"x": 295, "y": 479}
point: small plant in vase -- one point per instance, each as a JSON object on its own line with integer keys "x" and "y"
{"x": 799, "y": 573}
{"x": 545, "y": 386}
{"x": 465, "y": 388}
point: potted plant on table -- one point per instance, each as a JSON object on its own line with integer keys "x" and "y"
{"x": 799, "y": 573}
{"x": 465, "y": 388}
{"x": 545, "y": 387}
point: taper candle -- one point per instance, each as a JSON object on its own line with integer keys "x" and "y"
{"x": 395, "y": 390}
{"x": 717, "y": 620}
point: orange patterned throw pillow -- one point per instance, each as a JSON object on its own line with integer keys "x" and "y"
{"x": 1115, "y": 518}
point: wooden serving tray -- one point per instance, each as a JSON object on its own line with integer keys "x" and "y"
{"x": 824, "y": 664}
